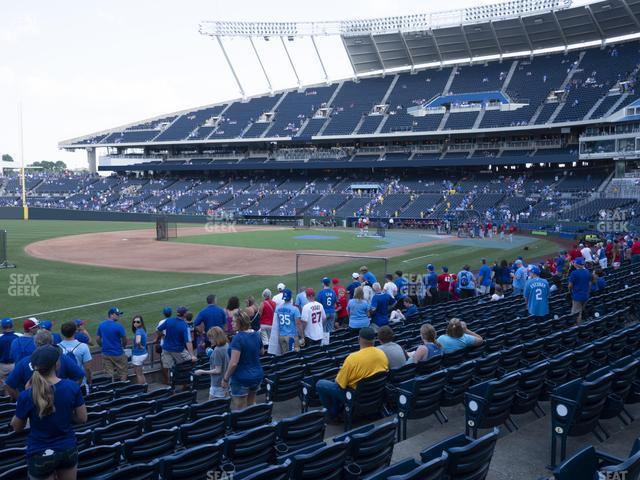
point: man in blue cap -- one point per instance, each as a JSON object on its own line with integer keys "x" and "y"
{"x": 430, "y": 286}
{"x": 112, "y": 338}
{"x": 328, "y": 299}
{"x": 177, "y": 347}
{"x": 8, "y": 335}
{"x": 48, "y": 325}
{"x": 579, "y": 286}
{"x": 536, "y": 294}
{"x": 519, "y": 277}
{"x": 290, "y": 333}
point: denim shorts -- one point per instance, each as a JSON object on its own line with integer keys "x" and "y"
{"x": 243, "y": 389}
{"x": 43, "y": 465}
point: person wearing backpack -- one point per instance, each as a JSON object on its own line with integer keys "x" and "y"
{"x": 77, "y": 351}
{"x": 466, "y": 283}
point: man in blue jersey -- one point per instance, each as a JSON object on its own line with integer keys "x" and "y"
{"x": 367, "y": 275}
{"x": 519, "y": 277}
{"x": 402, "y": 284}
{"x": 48, "y": 325}
{"x": 351, "y": 288}
{"x": 328, "y": 299}
{"x": 381, "y": 304}
{"x": 7, "y": 337}
{"x": 210, "y": 316}
{"x": 484, "y": 278}
{"x": 430, "y": 286}
{"x": 536, "y": 293}
{"x": 579, "y": 286}
{"x": 290, "y": 332}
{"x": 466, "y": 283}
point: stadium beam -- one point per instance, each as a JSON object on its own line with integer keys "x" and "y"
{"x": 466, "y": 42}
{"x": 603, "y": 37}
{"x": 408, "y": 50}
{"x": 255, "y": 50}
{"x": 560, "y": 30}
{"x": 375, "y": 47}
{"x": 233, "y": 71}
{"x": 526, "y": 35}
{"x": 91, "y": 160}
{"x": 293, "y": 67}
{"x": 495, "y": 38}
{"x": 435, "y": 44}
{"x": 630, "y": 13}
{"x": 324, "y": 70}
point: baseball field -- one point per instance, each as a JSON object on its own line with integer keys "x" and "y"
{"x": 67, "y": 270}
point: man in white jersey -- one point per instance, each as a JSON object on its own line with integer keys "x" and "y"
{"x": 313, "y": 318}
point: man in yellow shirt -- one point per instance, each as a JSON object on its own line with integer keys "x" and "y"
{"x": 359, "y": 365}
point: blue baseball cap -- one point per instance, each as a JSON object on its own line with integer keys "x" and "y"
{"x": 518, "y": 262}
{"x": 46, "y": 324}
{"x": 181, "y": 310}
{"x": 326, "y": 280}
{"x": 115, "y": 310}
{"x": 445, "y": 269}
{"x": 79, "y": 322}
{"x": 6, "y": 322}
{"x": 286, "y": 293}
{"x": 535, "y": 269}
{"x": 167, "y": 311}
{"x": 430, "y": 267}
{"x": 579, "y": 261}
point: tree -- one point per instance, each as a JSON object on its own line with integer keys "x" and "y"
{"x": 7, "y": 158}
{"x": 50, "y": 166}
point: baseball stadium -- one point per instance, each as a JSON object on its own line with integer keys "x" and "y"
{"x": 427, "y": 270}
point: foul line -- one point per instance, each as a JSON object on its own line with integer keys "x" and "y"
{"x": 417, "y": 258}
{"x": 134, "y": 296}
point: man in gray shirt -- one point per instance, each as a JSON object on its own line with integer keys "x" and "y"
{"x": 395, "y": 353}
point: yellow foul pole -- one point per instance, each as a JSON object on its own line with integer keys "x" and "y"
{"x": 25, "y": 208}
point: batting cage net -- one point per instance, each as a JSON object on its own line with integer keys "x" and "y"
{"x": 311, "y": 267}
{"x": 165, "y": 229}
{"x": 4, "y": 260}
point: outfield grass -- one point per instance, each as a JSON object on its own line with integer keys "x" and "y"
{"x": 61, "y": 285}
{"x": 287, "y": 239}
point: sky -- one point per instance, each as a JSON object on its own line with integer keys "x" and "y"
{"x": 78, "y": 66}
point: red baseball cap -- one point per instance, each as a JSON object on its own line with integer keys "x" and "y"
{"x": 29, "y": 324}
{"x": 335, "y": 280}
{"x": 310, "y": 292}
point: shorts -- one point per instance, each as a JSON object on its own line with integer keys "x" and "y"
{"x": 577, "y": 306}
{"x": 43, "y": 466}
{"x": 287, "y": 343}
{"x": 138, "y": 360}
{"x": 115, "y": 366}
{"x": 5, "y": 370}
{"x": 484, "y": 289}
{"x": 169, "y": 359}
{"x": 242, "y": 390}
{"x": 265, "y": 333}
{"x": 218, "y": 392}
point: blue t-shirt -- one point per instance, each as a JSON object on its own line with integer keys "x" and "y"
{"x": 301, "y": 300}
{"x": 412, "y": 310}
{"x": 327, "y": 298}
{"x": 82, "y": 337}
{"x": 380, "y": 304}
{"x": 432, "y": 351}
{"x": 6, "y": 339}
{"x": 520, "y": 278}
{"x": 403, "y": 286}
{"x": 465, "y": 280}
{"x": 370, "y": 277}
{"x": 358, "y": 313}
{"x": 580, "y": 279}
{"x": 286, "y": 316}
{"x": 21, "y": 373}
{"x": 111, "y": 333}
{"x": 503, "y": 274}
{"x": 431, "y": 280}
{"x": 450, "y": 344}
{"x": 211, "y": 316}
{"x": 142, "y": 349}
{"x": 599, "y": 285}
{"x": 536, "y": 291}
{"x": 249, "y": 370}
{"x": 485, "y": 273}
{"x": 352, "y": 288}
{"x": 176, "y": 334}
{"x": 21, "y": 347}
{"x": 54, "y": 431}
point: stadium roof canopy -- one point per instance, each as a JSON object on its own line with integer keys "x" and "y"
{"x": 516, "y": 26}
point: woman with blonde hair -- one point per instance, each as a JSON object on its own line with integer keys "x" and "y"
{"x": 244, "y": 373}
{"x": 218, "y": 362}
{"x": 358, "y": 309}
{"x": 458, "y": 336}
{"x": 50, "y": 406}
{"x": 430, "y": 346}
